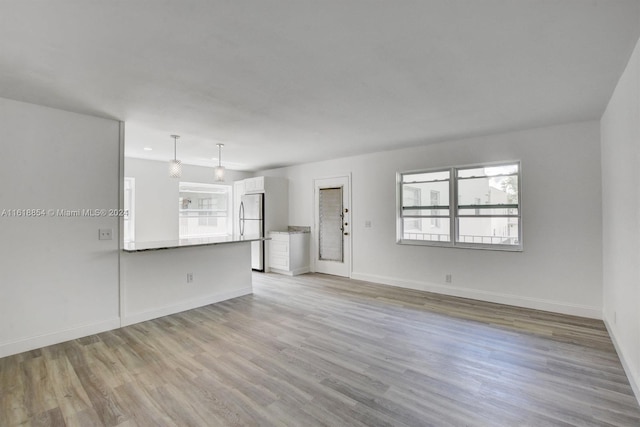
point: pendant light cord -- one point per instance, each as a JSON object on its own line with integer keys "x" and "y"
{"x": 175, "y": 147}
{"x": 220, "y": 154}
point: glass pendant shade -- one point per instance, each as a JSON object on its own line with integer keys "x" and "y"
{"x": 218, "y": 173}
{"x": 175, "y": 168}
{"x": 175, "y": 165}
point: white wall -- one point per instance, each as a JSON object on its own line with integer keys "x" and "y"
{"x": 156, "y": 210}
{"x": 58, "y": 281}
{"x": 560, "y": 268}
{"x": 154, "y": 282}
{"x": 620, "y": 130}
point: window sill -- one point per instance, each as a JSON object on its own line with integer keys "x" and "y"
{"x": 501, "y": 248}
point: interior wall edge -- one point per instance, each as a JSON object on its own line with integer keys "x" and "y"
{"x": 634, "y": 381}
{"x": 120, "y": 233}
{"x": 494, "y": 297}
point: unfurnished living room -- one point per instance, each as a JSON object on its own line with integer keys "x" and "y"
{"x": 320, "y": 213}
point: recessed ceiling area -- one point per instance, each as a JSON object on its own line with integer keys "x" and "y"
{"x": 281, "y": 82}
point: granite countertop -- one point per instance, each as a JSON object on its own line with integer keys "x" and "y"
{"x": 184, "y": 243}
{"x": 293, "y": 229}
{"x": 288, "y": 232}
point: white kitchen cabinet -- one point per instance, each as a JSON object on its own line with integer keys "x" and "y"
{"x": 254, "y": 185}
{"x": 289, "y": 252}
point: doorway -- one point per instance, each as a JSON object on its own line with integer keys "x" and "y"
{"x": 332, "y": 236}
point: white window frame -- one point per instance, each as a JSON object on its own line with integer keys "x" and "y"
{"x": 182, "y": 211}
{"x": 453, "y": 210}
{"x": 129, "y": 221}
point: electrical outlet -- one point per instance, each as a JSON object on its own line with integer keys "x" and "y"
{"x": 367, "y": 224}
{"x": 189, "y": 277}
{"x": 105, "y": 234}
{"x": 447, "y": 278}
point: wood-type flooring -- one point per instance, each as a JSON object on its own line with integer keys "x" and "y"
{"x": 317, "y": 350}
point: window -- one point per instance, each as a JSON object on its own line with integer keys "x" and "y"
{"x": 411, "y": 197}
{"x": 435, "y": 201}
{"x": 425, "y": 222}
{"x": 486, "y": 215}
{"x": 204, "y": 210}
{"x": 128, "y": 224}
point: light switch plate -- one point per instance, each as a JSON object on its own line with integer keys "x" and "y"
{"x": 105, "y": 234}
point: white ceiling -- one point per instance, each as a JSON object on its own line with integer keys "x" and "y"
{"x": 283, "y": 82}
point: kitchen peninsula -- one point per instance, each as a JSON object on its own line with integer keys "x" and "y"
{"x": 166, "y": 277}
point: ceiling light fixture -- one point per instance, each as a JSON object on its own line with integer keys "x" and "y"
{"x": 218, "y": 172}
{"x": 175, "y": 165}
{"x": 148, "y": 149}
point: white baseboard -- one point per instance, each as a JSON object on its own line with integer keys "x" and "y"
{"x": 295, "y": 272}
{"x": 31, "y": 343}
{"x": 633, "y": 380}
{"x": 518, "y": 301}
{"x": 133, "y": 318}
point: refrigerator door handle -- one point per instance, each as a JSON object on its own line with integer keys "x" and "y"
{"x": 241, "y": 218}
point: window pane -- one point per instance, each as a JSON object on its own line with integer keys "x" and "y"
{"x": 203, "y": 226}
{"x": 426, "y": 194}
{"x": 129, "y": 207}
{"x": 509, "y": 169}
{"x": 330, "y": 238}
{"x": 492, "y": 231}
{"x": 488, "y": 211}
{"x": 425, "y": 212}
{"x": 429, "y": 229}
{"x": 488, "y": 190}
{"x": 425, "y": 176}
{"x": 204, "y": 210}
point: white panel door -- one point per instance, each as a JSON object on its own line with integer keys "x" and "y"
{"x": 332, "y": 226}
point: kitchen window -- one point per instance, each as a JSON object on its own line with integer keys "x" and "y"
{"x": 128, "y": 223}
{"x": 486, "y": 214}
{"x": 204, "y": 210}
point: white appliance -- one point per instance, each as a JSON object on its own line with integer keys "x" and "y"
{"x": 251, "y": 220}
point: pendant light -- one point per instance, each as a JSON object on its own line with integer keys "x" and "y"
{"x": 218, "y": 172}
{"x": 175, "y": 165}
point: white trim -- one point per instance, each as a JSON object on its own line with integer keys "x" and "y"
{"x": 500, "y": 298}
{"x": 132, "y": 208}
{"x": 295, "y": 272}
{"x": 633, "y": 380}
{"x": 314, "y": 229}
{"x": 121, "y": 289}
{"x": 184, "y": 306}
{"x": 39, "y": 341}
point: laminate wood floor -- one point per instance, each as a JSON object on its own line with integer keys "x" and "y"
{"x": 320, "y": 350}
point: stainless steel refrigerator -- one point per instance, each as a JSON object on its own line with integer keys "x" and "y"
{"x": 251, "y": 217}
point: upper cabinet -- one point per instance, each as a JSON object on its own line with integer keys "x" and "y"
{"x": 254, "y": 185}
